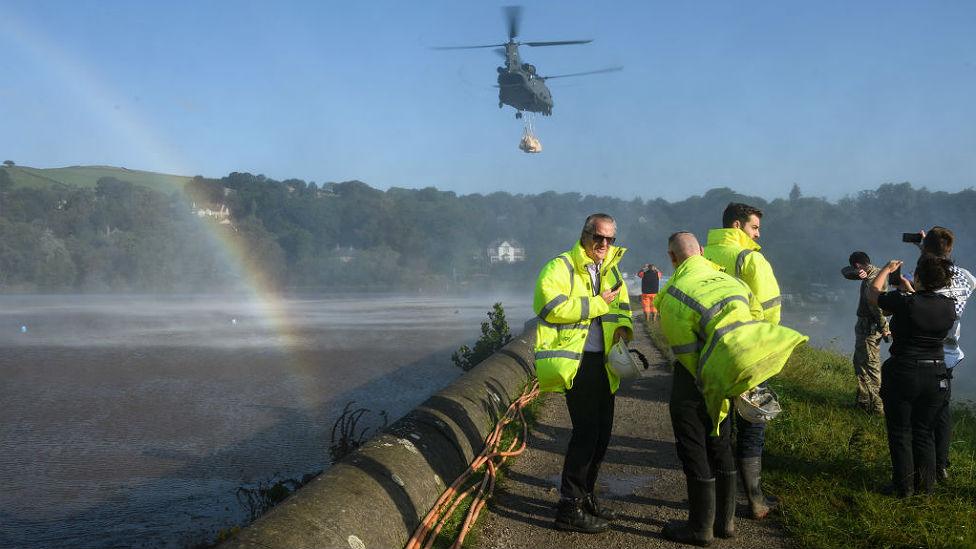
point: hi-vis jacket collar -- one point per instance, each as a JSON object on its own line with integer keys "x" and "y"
{"x": 731, "y": 237}
{"x": 694, "y": 262}
{"x": 581, "y": 260}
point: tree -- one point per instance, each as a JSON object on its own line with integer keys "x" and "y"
{"x": 494, "y": 335}
{"x": 795, "y": 193}
{"x": 8, "y": 163}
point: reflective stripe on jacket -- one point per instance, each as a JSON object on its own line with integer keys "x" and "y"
{"x": 565, "y": 305}
{"x": 716, "y": 331}
{"x": 734, "y": 251}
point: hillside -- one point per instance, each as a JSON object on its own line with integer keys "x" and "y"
{"x": 87, "y": 176}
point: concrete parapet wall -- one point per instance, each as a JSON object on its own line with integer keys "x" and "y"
{"x": 376, "y": 496}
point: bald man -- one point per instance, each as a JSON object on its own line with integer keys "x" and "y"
{"x": 714, "y": 326}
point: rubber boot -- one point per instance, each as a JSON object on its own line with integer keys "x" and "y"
{"x": 698, "y": 530}
{"x": 725, "y": 504}
{"x": 593, "y": 506}
{"x": 751, "y": 469}
{"x": 570, "y": 515}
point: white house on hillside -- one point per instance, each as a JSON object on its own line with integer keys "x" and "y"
{"x": 505, "y": 251}
{"x": 219, "y": 213}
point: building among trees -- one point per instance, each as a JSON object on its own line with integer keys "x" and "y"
{"x": 505, "y": 251}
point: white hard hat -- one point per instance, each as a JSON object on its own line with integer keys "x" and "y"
{"x": 758, "y": 405}
{"x": 624, "y": 363}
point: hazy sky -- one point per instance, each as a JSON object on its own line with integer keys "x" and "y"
{"x": 835, "y": 96}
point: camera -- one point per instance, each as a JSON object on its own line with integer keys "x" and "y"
{"x": 913, "y": 238}
{"x": 894, "y": 277}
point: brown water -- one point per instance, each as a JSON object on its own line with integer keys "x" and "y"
{"x": 132, "y": 421}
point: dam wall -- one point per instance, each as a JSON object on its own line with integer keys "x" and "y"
{"x": 377, "y": 495}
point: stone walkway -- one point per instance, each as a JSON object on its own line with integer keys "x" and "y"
{"x": 641, "y": 477}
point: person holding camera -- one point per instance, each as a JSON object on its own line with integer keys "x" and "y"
{"x": 870, "y": 329}
{"x": 939, "y": 241}
{"x": 914, "y": 382}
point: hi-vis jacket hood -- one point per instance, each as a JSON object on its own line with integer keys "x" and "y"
{"x": 565, "y": 304}
{"x": 738, "y": 255}
{"x": 716, "y": 331}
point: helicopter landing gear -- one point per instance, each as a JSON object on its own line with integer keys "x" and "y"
{"x": 518, "y": 115}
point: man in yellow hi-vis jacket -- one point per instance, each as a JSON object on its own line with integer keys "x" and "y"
{"x": 583, "y": 308}
{"x": 723, "y": 348}
{"x": 734, "y": 248}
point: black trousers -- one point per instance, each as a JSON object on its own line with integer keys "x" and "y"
{"x": 590, "y": 406}
{"x": 943, "y": 427}
{"x": 702, "y": 455}
{"x": 912, "y": 397}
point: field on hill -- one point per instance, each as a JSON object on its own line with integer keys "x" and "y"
{"x": 88, "y": 176}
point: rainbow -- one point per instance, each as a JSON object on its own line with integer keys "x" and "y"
{"x": 96, "y": 98}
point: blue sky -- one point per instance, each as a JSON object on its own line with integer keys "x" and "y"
{"x": 834, "y": 96}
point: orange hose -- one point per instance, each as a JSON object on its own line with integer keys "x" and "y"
{"x": 429, "y": 528}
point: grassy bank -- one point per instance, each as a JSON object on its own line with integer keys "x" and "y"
{"x": 826, "y": 460}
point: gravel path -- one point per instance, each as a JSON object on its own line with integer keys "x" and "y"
{"x": 641, "y": 477}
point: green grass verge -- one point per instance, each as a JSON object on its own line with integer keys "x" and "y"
{"x": 826, "y": 459}
{"x": 452, "y": 528}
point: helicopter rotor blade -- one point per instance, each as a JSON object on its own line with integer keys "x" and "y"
{"x": 466, "y": 47}
{"x": 557, "y": 43}
{"x": 601, "y": 71}
{"x": 513, "y": 16}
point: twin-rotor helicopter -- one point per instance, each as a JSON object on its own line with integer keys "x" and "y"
{"x": 519, "y": 85}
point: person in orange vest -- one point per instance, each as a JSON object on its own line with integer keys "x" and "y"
{"x": 650, "y": 277}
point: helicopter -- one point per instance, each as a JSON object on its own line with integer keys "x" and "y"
{"x": 519, "y": 83}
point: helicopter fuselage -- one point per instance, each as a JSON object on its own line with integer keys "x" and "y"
{"x": 520, "y": 87}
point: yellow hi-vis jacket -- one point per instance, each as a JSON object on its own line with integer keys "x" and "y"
{"x": 565, "y": 304}
{"x": 738, "y": 255}
{"x": 714, "y": 326}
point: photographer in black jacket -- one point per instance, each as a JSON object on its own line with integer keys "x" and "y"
{"x": 914, "y": 380}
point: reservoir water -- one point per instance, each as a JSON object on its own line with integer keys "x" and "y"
{"x": 132, "y": 421}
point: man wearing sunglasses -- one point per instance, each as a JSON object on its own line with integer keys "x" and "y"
{"x": 583, "y": 309}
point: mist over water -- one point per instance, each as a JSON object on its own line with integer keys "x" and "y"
{"x": 830, "y": 324}
{"x": 132, "y": 421}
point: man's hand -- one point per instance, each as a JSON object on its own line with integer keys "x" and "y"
{"x": 610, "y": 295}
{"x": 862, "y": 274}
{"x": 621, "y": 333}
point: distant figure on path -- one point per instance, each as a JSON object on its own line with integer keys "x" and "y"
{"x": 914, "y": 380}
{"x": 734, "y": 247}
{"x": 583, "y": 309}
{"x": 650, "y": 283}
{"x": 871, "y": 327}
{"x": 714, "y": 326}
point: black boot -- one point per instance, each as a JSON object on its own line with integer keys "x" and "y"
{"x": 725, "y": 504}
{"x": 592, "y": 506}
{"x": 751, "y": 469}
{"x": 570, "y": 515}
{"x": 701, "y": 515}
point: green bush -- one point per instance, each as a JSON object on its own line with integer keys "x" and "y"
{"x": 494, "y": 335}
